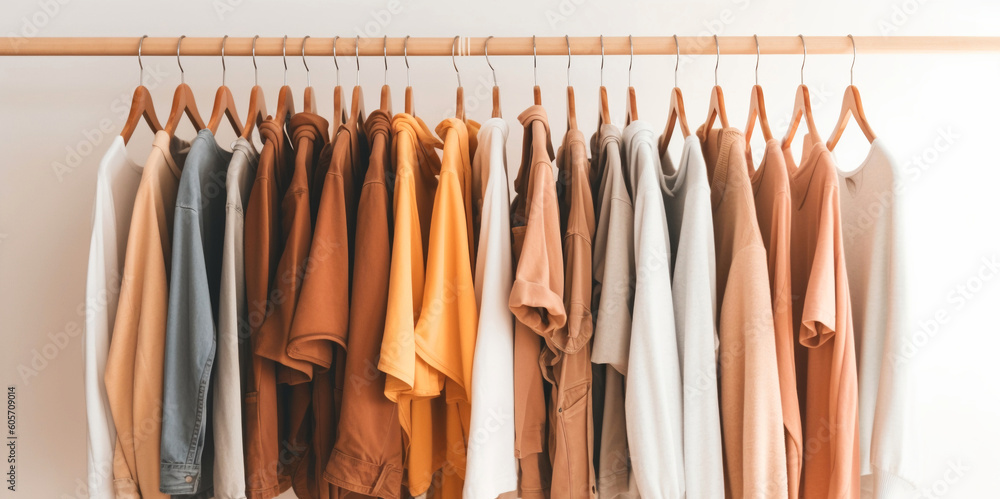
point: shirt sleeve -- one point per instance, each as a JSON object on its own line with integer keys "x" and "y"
{"x": 189, "y": 352}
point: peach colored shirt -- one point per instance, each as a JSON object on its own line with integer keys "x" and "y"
{"x": 750, "y": 396}
{"x": 774, "y": 216}
{"x": 821, "y": 314}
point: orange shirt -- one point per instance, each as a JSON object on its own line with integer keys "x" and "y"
{"x": 774, "y": 215}
{"x": 421, "y": 412}
{"x": 821, "y": 313}
{"x": 134, "y": 373}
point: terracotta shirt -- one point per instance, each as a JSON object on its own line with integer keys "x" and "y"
{"x": 653, "y": 389}
{"x": 774, "y": 216}
{"x": 750, "y": 395}
{"x": 566, "y": 360}
{"x": 368, "y": 455}
{"x": 265, "y": 410}
{"x": 134, "y": 373}
{"x": 821, "y": 313}
{"x": 536, "y": 297}
{"x": 614, "y": 268}
{"x": 407, "y": 375}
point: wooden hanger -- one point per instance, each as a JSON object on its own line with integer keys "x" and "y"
{"x": 537, "y": 91}
{"x": 570, "y": 95}
{"x": 184, "y": 102}
{"x": 717, "y": 103}
{"x": 496, "y": 89}
{"x": 408, "y": 93}
{"x": 225, "y": 105}
{"x": 604, "y": 112}
{"x": 286, "y": 102}
{"x": 801, "y": 108}
{"x": 258, "y": 107}
{"x": 339, "y": 114}
{"x": 851, "y": 106}
{"x": 142, "y": 106}
{"x": 757, "y": 110}
{"x": 385, "y": 100}
{"x": 357, "y": 96}
{"x": 631, "y": 113}
{"x": 309, "y": 95}
{"x": 675, "y": 114}
{"x": 459, "y": 92}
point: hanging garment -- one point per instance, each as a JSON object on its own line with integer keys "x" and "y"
{"x": 134, "y": 374}
{"x": 750, "y": 397}
{"x": 614, "y": 268}
{"x": 408, "y": 377}
{"x": 653, "y": 394}
{"x": 773, "y": 200}
{"x": 117, "y": 183}
{"x": 688, "y": 201}
{"x": 565, "y": 361}
{"x": 491, "y": 467}
{"x": 233, "y": 355}
{"x": 265, "y": 404}
{"x": 535, "y": 297}
{"x": 876, "y": 266}
{"x": 368, "y": 455}
{"x": 186, "y": 445}
{"x": 445, "y": 334}
{"x": 821, "y": 312}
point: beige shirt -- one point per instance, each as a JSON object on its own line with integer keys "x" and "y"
{"x": 750, "y": 396}
{"x": 134, "y": 375}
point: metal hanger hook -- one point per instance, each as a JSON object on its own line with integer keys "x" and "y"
{"x": 224, "y": 37}
{"x": 454, "y": 44}
{"x": 677, "y": 62}
{"x": 406, "y": 60}
{"x": 534, "y": 55}
{"x": 335, "y": 63}
{"x": 486, "y": 51}
{"x": 141, "y": 38}
{"x": 569, "y": 61}
{"x": 802, "y": 70}
{"x": 357, "y": 61}
{"x": 253, "y": 57}
{"x": 756, "y": 66}
{"x": 179, "y": 56}
{"x": 385, "y": 57}
{"x": 602, "y": 60}
{"x": 718, "y": 55}
{"x": 284, "y": 60}
{"x": 631, "y": 55}
{"x": 855, "y": 59}
{"x": 304, "y": 63}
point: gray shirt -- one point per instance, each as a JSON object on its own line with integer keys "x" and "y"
{"x": 189, "y": 349}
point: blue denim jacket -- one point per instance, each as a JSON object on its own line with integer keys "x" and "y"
{"x": 189, "y": 350}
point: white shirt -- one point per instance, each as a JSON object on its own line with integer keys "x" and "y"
{"x": 491, "y": 468}
{"x": 688, "y": 200}
{"x": 873, "y": 246}
{"x": 653, "y": 414}
{"x": 117, "y": 183}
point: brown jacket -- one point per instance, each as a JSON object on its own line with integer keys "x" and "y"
{"x": 269, "y": 456}
{"x": 134, "y": 373}
{"x": 536, "y": 297}
{"x": 368, "y": 455}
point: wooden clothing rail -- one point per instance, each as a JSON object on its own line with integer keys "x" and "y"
{"x": 523, "y": 46}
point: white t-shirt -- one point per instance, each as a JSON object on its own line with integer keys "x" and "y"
{"x": 688, "y": 200}
{"x": 874, "y": 251}
{"x": 653, "y": 415}
{"x": 491, "y": 468}
{"x": 117, "y": 183}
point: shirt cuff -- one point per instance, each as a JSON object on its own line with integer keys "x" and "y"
{"x": 890, "y": 486}
{"x": 177, "y": 478}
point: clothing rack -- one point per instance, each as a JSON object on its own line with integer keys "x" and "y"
{"x": 524, "y": 45}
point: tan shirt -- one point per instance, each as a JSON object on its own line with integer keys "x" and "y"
{"x": 821, "y": 313}
{"x": 752, "y": 431}
{"x": 134, "y": 374}
{"x": 774, "y": 216}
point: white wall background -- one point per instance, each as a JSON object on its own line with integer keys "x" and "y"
{"x": 936, "y": 112}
